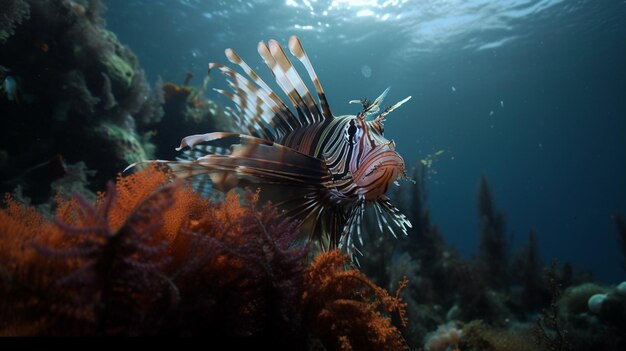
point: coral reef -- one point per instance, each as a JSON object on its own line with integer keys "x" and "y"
{"x": 494, "y": 295}
{"x": 77, "y": 92}
{"x": 446, "y": 337}
{"x": 549, "y": 330}
{"x": 14, "y": 12}
{"x": 344, "y": 305}
{"x": 583, "y": 317}
{"x": 478, "y": 336}
{"x": 186, "y": 111}
{"x": 152, "y": 257}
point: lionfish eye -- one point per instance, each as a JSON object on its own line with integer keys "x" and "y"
{"x": 351, "y": 132}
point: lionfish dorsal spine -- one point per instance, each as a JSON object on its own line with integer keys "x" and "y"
{"x": 389, "y": 109}
{"x": 310, "y": 107}
{"x": 273, "y": 101}
{"x": 379, "y": 100}
{"x": 260, "y": 111}
{"x": 257, "y": 108}
{"x": 297, "y": 50}
{"x": 289, "y": 81}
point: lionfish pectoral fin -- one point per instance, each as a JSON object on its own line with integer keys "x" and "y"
{"x": 246, "y": 160}
{"x": 389, "y": 217}
{"x": 353, "y": 227}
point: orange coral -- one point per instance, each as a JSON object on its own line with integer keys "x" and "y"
{"x": 344, "y": 307}
{"x": 153, "y": 257}
{"x": 174, "y": 92}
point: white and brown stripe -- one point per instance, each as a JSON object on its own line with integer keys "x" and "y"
{"x": 314, "y": 166}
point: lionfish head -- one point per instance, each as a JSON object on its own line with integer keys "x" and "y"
{"x": 377, "y": 164}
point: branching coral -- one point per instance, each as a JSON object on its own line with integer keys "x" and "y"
{"x": 342, "y": 307}
{"x": 549, "y": 329}
{"x": 153, "y": 257}
{"x": 83, "y": 273}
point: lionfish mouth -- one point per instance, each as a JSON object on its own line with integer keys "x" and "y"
{"x": 377, "y": 173}
{"x": 394, "y": 165}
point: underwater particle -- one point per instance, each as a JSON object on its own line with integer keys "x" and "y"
{"x": 501, "y": 103}
{"x": 595, "y": 302}
{"x": 195, "y": 52}
{"x": 453, "y": 89}
{"x": 366, "y": 71}
{"x": 429, "y": 161}
{"x": 10, "y": 88}
{"x": 491, "y": 113}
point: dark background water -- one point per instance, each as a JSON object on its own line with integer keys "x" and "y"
{"x": 531, "y": 93}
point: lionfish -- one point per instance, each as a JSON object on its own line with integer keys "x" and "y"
{"x": 314, "y": 166}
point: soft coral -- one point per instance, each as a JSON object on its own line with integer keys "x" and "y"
{"x": 153, "y": 257}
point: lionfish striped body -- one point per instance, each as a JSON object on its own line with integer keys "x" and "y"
{"x": 314, "y": 166}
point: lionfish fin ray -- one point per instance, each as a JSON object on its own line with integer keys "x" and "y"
{"x": 389, "y": 109}
{"x": 266, "y": 106}
{"x": 297, "y": 50}
{"x": 392, "y": 216}
{"x": 375, "y": 106}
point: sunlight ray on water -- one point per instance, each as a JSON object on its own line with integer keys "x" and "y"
{"x": 419, "y": 26}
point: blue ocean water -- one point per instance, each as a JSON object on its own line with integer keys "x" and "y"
{"x": 530, "y": 93}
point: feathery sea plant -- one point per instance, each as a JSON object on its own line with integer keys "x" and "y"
{"x": 152, "y": 256}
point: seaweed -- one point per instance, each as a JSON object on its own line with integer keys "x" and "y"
{"x": 549, "y": 331}
{"x": 493, "y": 243}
